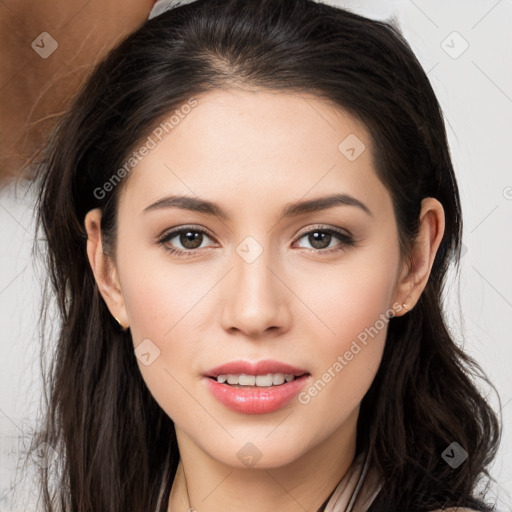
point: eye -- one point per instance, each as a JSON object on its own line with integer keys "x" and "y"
{"x": 190, "y": 238}
{"x": 321, "y": 237}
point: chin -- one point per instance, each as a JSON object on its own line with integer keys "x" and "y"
{"x": 260, "y": 453}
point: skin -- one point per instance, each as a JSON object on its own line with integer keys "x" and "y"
{"x": 35, "y": 91}
{"x": 252, "y": 152}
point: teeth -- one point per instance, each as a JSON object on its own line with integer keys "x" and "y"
{"x": 246, "y": 380}
{"x": 264, "y": 380}
{"x": 271, "y": 379}
{"x": 233, "y": 379}
{"x": 278, "y": 379}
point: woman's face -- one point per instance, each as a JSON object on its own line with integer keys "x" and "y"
{"x": 258, "y": 284}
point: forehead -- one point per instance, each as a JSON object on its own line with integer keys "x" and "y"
{"x": 248, "y": 147}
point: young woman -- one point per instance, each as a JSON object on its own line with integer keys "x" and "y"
{"x": 250, "y": 210}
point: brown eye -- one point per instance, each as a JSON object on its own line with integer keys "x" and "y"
{"x": 320, "y": 239}
{"x": 190, "y": 240}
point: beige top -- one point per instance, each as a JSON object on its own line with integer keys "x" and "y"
{"x": 359, "y": 487}
{"x": 356, "y": 490}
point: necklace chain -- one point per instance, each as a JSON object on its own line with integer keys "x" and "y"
{"x": 189, "y": 508}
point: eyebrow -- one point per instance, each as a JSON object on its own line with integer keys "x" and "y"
{"x": 290, "y": 210}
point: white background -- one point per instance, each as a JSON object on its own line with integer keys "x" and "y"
{"x": 474, "y": 88}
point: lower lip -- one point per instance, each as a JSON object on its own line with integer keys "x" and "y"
{"x": 256, "y": 400}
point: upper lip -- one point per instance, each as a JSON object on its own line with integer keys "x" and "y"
{"x": 256, "y": 368}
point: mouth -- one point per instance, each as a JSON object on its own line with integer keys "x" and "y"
{"x": 260, "y": 374}
{"x": 255, "y": 388}
{"x": 261, "y": 381}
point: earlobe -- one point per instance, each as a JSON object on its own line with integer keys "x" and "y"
{"x": 414, "y": 277}
{"x": 104, "y": 269}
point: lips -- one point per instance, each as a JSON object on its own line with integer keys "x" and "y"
{"x": 253, "y": 399}
{"x": 259, "y": 368}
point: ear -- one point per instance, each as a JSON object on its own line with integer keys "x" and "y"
{"x": 415, "y": 272}
{"x": 104, "y": 269}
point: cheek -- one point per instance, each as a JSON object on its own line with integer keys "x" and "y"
{"x": 163, "y": 308}
{"x": 164, "y": 303}
{"x": 353, "y": 307}
{"x": 160, "y": 292}
{"x": 349, "y": 297}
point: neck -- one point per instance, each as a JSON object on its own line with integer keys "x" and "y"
{"x": 304, "y": 484}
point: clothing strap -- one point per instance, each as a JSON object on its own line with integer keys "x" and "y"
{"x": 339, "y": 501}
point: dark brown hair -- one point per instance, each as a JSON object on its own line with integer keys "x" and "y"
{"x": 117, "y": 445}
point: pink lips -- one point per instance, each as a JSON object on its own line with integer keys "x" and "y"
{"x": 259, "y": 368}
{"x": 254, "y": 399}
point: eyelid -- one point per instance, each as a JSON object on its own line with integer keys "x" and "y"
{"x": 324, "y": 227}
{"x": 178, "y": 229}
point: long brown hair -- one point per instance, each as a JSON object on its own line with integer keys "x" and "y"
{"x": 117, "y": 446}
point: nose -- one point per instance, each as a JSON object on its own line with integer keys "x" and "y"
{"x": 256, "y": 296}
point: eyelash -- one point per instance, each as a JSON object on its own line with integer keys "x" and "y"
{"x": 346, "y": 240}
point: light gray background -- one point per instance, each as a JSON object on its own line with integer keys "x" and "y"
{"x": 474, "y": 88}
